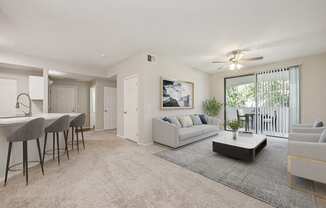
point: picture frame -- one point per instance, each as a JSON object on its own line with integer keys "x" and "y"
{"x": 176, "y": 94}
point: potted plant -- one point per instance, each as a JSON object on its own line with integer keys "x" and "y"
{"x": 235, "y": 125}
{"x": 212, "y": 107}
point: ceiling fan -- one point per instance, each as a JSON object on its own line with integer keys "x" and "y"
{"x": 235, "y": 59}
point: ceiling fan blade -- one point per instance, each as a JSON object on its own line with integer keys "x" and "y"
{"x": 253, "y": 58}
{"x": 219, "y": 62}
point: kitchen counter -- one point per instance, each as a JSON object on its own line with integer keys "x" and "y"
{"x": 9, "y": 125}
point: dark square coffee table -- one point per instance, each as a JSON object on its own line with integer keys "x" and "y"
{"x": 245, "y": 147}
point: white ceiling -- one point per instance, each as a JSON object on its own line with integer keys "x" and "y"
{"x": 191, "y": 32}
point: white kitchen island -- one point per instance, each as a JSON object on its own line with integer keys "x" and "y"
{"x": 9, "y": 125}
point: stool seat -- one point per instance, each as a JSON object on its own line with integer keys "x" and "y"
{"x": 77, "y": 126}
{"x": 32, "y": 130}
{"x": 59, "y": 125}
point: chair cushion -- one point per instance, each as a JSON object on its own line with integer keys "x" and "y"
{"x": 174, "y": 121}
{"x": 196, "y": 120}
{"x": 187, "y": 133}
{"x": 185, "y": 121}
{"x": 203, "y": 118}
{"x": 318, "y": 124}
{"x": 322, "y": 138}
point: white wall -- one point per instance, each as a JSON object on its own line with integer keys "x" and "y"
{"x": 22, "y": 84}
{"x": 149, "y": 74}
{"x": 313, "y": 84}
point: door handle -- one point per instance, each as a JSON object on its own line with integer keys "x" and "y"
{"x": 125, "y": 112}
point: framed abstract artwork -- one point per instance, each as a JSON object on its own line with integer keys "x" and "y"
{"x": 176, "y": 94}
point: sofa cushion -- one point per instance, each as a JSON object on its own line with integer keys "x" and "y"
{"x": 187, "y": 133}
{"x": 210, "y": 128}
{"x": 196, "y": 120}
{"x": 318, "y": 124}
{"x": 323, "y": 136}
{"x": 203, "y": 118}
{"x": 185, "y": 121}
{"x": 175, "y": 121}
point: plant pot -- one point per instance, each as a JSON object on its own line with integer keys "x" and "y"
{"x": 235, "y": 134}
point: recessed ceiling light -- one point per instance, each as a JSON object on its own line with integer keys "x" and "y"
{"x": 102, "y": 55}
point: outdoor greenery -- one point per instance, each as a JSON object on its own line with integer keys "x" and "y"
{"x": 234, "y": 125}
{"x": 212, "y": 107}
{"x": 241, "y": 95}
{"x": 276, "y": 91}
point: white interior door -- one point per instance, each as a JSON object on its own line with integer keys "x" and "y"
{"x": 131, "y": 108}
{"x": 63, "y": 99}
{"x": 8, "y": 89}
{"x": 92, "y": 106}
{"x": 110, "y": 115}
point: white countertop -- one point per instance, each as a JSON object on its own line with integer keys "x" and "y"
{"x": 4, "y": 122}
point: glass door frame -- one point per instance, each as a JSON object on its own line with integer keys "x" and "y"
{"x": 239, "y": 76}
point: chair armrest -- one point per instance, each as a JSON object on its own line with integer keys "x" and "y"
{"x": 213, "y": 121}
{"x": 165, "y": 133}
{"x": 308, "y": 150}
{"x": 300, "y": 137}
{"x": 313, "y": 130}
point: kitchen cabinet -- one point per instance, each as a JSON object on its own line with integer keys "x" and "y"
{"x": 36, "y": 87}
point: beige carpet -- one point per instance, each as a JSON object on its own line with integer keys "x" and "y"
{"x": 113, "y": 172}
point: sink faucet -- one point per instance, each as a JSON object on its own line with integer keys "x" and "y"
{"x": 29, "y": 113}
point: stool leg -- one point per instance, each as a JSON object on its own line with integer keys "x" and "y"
{"x": 82, "y": 133}
{"x": 53, "y": 145}
{"x": 8, "y": 161}
{"x": 72, "y": 137}
{"x": 26, "y": 160}
{"x": 44, "y": 148}
{"x": 65, "y": 135}
{"x": 77, "y": 139}
{"x": 39, "y": 154}
{"x": 58, "y": 146}
{"x": 24, "y": 169}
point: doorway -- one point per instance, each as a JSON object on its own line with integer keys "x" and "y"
{"x": 110, "y": 116}
{"x": 130, "y": 113}
{"x": 265, "y": 103}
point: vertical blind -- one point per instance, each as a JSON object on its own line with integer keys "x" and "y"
{"x": 278, "y": 102}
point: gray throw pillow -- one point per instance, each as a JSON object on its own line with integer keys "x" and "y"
{"x": 175, "y": 121}
{"x": 196, "y": 120}
{"x": 318, "y": 124}
{"x": 322, "y": 138}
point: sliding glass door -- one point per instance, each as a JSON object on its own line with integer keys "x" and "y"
{"x": 240, "y": 101}
{"x": 265, "y": 103}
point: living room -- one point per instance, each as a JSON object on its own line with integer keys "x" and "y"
{"x": 215, "y": 104}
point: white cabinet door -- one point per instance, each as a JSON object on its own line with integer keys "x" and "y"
{"x": 8, "y": 93}
{"x": 36, "y": 87}
{"x": 63, "y": 99}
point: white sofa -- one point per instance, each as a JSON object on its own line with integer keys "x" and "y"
{"x": 307, "y": 156}
{"x": 170, "y": 135}
{"x": 309, "y": 128}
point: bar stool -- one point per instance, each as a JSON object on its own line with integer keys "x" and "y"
{"x": 59, "y": 125}
{"x": 29, "y": 131}
{"x": 75, "y": 124}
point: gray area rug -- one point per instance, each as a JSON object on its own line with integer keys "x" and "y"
{"x": 265, "y": 179}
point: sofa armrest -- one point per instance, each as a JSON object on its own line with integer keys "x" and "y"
{"x": 307, "y": 150}
{"x": 165, "y": 133}
{"x": 213, "y": 121}
{"x": 312, "y": 130}
{"x": 300, "y": 137}
{"x": 302, "y": 126}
